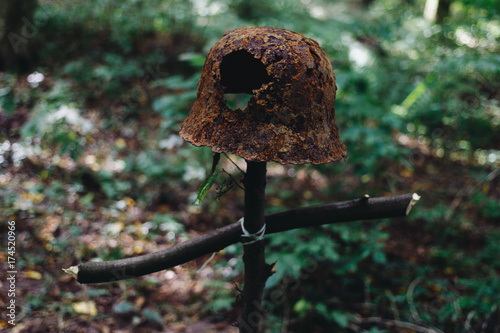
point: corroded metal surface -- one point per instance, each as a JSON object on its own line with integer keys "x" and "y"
{"x": 290, "y": 116}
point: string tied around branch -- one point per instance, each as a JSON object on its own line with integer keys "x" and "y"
{"x": 252, "y": 238}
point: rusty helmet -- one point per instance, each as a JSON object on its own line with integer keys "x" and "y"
{"x": 289, "y": 118}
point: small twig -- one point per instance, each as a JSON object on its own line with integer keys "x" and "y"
{"x": 355, "y": 328}
{"x": 234, "y": 180}
{"x": 411, "y": 303}
{"x": 236, "y": 165}
{"x": 484, "y": 325}
{"x": 467, "y": 325}
{"x": 206, "y": 262}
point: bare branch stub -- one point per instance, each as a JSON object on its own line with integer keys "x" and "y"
{"x": 290, "y": 116}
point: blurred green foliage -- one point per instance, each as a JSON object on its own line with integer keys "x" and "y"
{"x": 92, "y": 148}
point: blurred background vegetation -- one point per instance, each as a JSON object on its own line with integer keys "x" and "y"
{"x": 91, "y": 166}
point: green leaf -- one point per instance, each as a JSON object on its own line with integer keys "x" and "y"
{"x": 152, "y": 315}
{"x": 204, "y": 188}
{"x": 7, "y": 102}
{"x": 194, "y": 59}
{"x": 124, "y": 307}
{"x": 340, "y": 318}
{"x": 379, "y": 257}
{"x": 301, "y": 307}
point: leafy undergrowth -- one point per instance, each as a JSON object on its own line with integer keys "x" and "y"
{"x": 92, "y": 167}
{"x": 112, "y": 195}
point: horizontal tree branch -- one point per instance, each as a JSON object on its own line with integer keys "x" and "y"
{"x": 364, "y": 208}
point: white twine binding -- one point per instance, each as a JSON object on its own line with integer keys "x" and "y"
{"x": 258, "y": 236}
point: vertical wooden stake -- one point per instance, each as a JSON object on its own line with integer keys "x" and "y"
{"x": 256, "y": 270}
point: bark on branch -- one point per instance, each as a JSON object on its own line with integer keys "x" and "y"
{"x": 359, "y": 209}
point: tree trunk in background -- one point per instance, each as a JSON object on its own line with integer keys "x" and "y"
{"x": 17, "y": 31}
{"x": 436, "y": 10}
{"x": 443, "y": 10}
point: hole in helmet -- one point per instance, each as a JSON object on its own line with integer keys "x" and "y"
{"x": 237, "y": 101}
{"x": 241, "y": 73}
